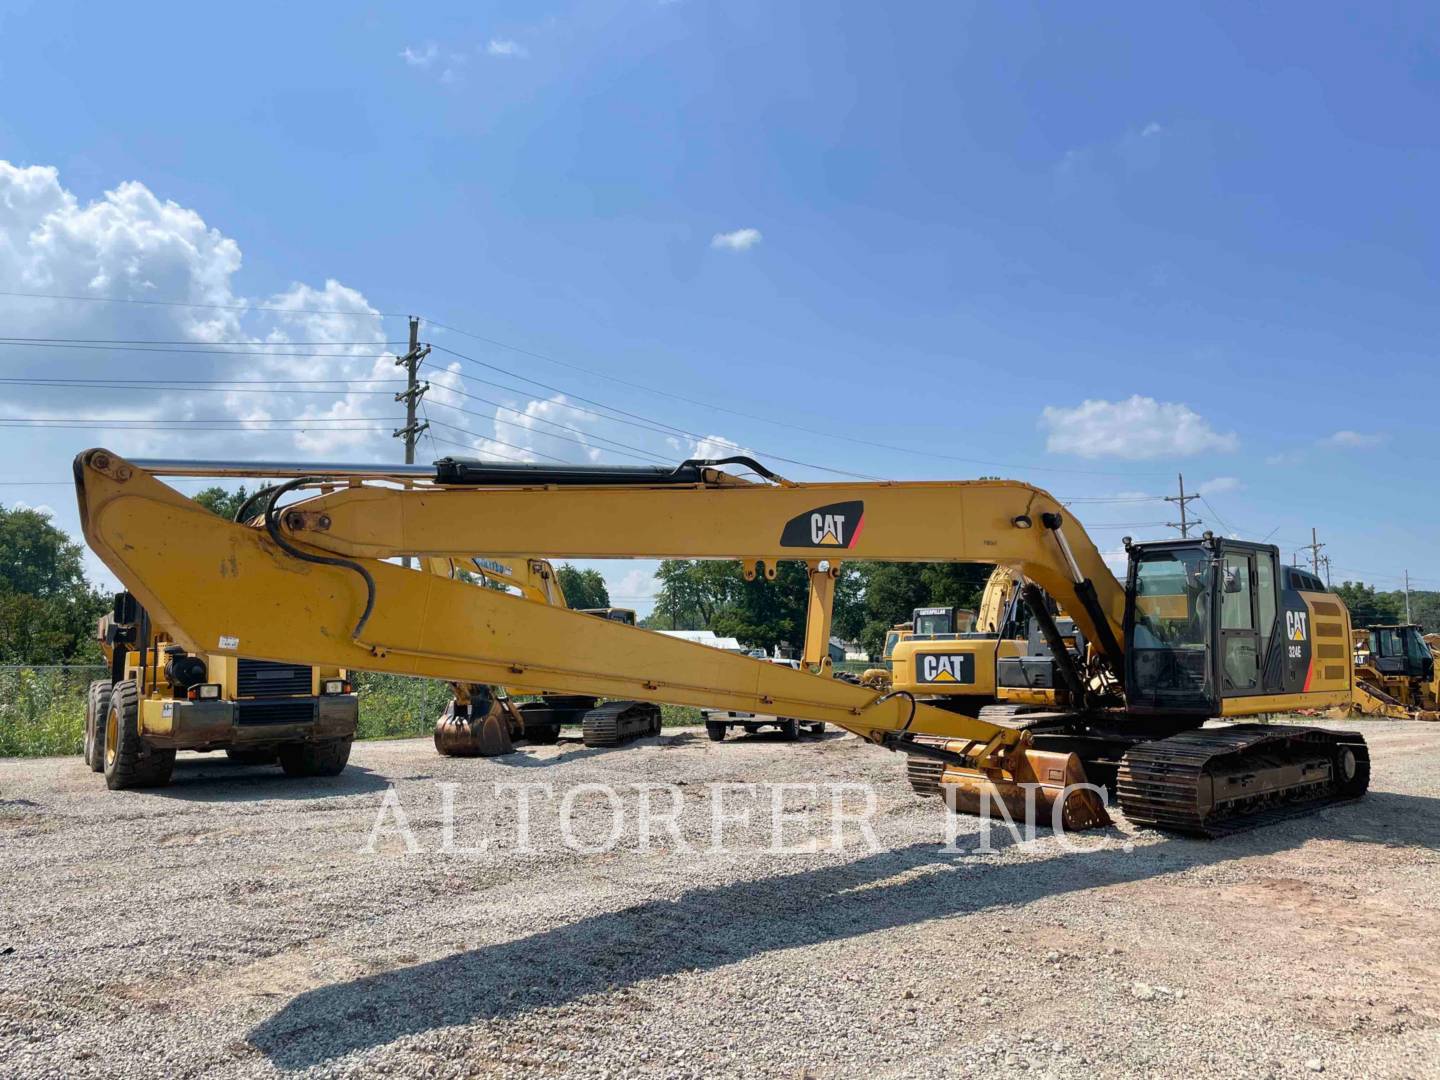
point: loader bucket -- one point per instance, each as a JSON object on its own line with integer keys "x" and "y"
{"x": 1029, "y": 791}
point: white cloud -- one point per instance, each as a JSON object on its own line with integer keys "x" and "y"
{"x": 130, "y": 244}
{"x": 633, "y": 587}
{"x": 1136, "y": 428}
{"x": 1151, "y": 129}
{"x": 717, "y": 446}
{"x": 422, "y": 57}
{"x": 1220, "y": 485}
{"x": 1353, "y": 440}
{"x": 739, "y": 240}
{"x": 506, "y": 47}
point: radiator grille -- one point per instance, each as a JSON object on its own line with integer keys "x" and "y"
{"x": 275, "y": 712}
{"x": 261, "y": 678}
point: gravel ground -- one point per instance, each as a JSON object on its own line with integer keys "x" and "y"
{"x": 235, "y": 924}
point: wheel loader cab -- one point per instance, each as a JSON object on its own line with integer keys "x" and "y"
{"x": 893, "y": 637}
{"x": 1401, "y": 651}
{"x": 1215, "y": 621}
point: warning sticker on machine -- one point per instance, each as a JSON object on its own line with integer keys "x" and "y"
{"x": 228, "y": 642}
{"x": 167, "y": 708}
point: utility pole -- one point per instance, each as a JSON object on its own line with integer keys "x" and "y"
{"x": 1407, "y": 596}
{"x": 1314, "y": 548}
{"x": 1184, "y": 500}
{"x": 1325, "y": 562}
{"x": 414, "y": 391}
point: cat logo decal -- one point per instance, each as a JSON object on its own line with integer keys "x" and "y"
{"x": 835, "y": 526}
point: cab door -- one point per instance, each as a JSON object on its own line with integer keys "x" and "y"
{"x": 1239, "y": 623}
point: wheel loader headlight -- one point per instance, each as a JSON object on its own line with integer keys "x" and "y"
{"x": 205, "y": 692}
{"x": 334, "y": 686}
{"x": 1021, "y": 521}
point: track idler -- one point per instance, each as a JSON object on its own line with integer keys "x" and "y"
{"x": 1030, "y": 788}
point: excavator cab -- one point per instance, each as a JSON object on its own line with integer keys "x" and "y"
{"x": 614, "y": 614}
{"x": 941, "y": 623}
{"x": 1212, "y": 621}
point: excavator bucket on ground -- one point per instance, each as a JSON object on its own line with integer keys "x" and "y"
{"x": 1040, "y": 787}
{"x": 481, "y": 727}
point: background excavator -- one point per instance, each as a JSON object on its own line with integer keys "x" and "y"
{"x": 1201, "y": 628}
{"x": 483, "y": 721}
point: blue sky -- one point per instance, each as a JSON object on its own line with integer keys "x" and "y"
{"x": 978, "y": 231}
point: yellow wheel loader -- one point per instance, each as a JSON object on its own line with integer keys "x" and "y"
{"x": 162, "y": 697}
{"x": 1396, "y": 673}
{"x": 1202, "y": 628}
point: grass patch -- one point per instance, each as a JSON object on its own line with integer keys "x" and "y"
{"x": 42, "y": 710}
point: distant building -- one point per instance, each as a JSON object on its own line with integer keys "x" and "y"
{"x": 706, "y": 637}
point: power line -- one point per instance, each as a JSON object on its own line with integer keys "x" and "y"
{"x": 637, "y": 416}
{"x": 17, "y": 340}
{"x": 761, "y": 419}
{"x": 210, "y": 307}
{"x": 1184, "y": 501}
{"x": 304, "y": 425}
{"x": 262, "y": 353}
{"x": 185, "y": 420}
{"x": 190, "y": 386}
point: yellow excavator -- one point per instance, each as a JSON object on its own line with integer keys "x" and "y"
{"x": 1201, "y": 628}
{"x": 484, "y": 721}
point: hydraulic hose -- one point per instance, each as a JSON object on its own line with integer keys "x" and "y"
{"x": 272, "y": 526}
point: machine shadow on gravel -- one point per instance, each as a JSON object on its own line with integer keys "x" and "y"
{"x": 215, "y": 779}
{"x": 572, "y": 749}
{"x": 712, "y": 927}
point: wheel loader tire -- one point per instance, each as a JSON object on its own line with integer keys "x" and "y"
{"x": 789, "y": 729}
{"x": 129, "y": 763}
{"x": 817, "y": 729}
{"x": 266, "y": 756}
{"x": 315, "y": 759}
{"x": 715, "y": 730}
{"x": 97, "y": 703}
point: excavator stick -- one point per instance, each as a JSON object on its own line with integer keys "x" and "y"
{"x": 1029, "y": 790}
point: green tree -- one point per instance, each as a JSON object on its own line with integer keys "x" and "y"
{"x": 1424, "y": 607}
{"x": 583, "y": 588}
{"x": 763, "y": 614}
{"x": 222, "y": 502}
{"x": 1367, "y": 607}
{"x": 36, "y": 558}
{"x": 693, "y": 591}
{"x": 47, "y": 608}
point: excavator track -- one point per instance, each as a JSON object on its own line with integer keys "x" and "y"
{"x": 1215, "y": 781}
{"x": 618, "y": 722}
